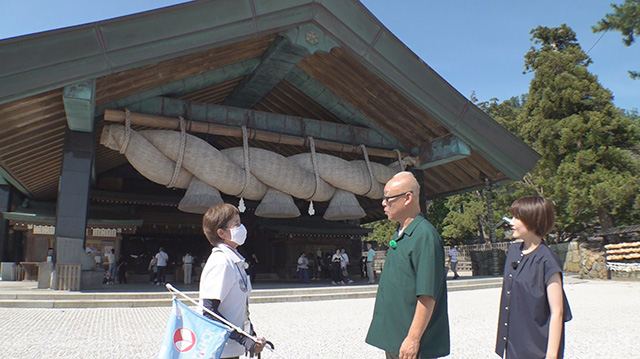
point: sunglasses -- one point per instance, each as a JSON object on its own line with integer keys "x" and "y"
{"x": 387, "y": 198}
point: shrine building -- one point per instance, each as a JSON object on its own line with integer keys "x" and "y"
{"x": 119, "y": 134}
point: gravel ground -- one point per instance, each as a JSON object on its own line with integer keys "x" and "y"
{"x": 606, "y": 324}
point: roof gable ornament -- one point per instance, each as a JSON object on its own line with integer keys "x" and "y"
{"x": 80, "y": 105}
{"x": 311, "y": 38}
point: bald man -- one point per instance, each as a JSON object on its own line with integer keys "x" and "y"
{"x": 410, "y": 318}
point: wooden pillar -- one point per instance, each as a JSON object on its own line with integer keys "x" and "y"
{"x": 75, "y": 178}
{"x": 5, "y": 206}
{"x": 73, "y": 196}
{"x": 423, "y": 200}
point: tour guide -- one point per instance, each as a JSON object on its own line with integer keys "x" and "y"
{"x": 410, "y": 317}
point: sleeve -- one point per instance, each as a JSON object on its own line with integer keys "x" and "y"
{"x": 550, "y": 268}
{"x": 428, "y": 262}
{"x": 218, "y": 277}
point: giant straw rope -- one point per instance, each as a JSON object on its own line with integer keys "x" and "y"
{"x": 181, "y": 160}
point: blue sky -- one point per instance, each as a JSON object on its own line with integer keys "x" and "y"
{"x": 474, "y": 45}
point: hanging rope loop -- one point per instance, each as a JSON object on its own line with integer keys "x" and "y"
{"x": 366, "y": 160}
{"x": 314, "y": 162}
{"x": 402, "y": 166}
{"x": 127, "y": 131}
{"x": 181, "y": 151}
{"x": 247, "y": 170}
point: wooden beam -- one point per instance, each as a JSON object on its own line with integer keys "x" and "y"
{"x": 80, "y": 105}
{"x": 442, "y": 150}
{"x": 188, "y": 84}
{"x": 277, "y": 61}
{"x": 333, "y": 103}
{"x": 282, "y": 56}
{"x": 173, "y": 123}
{"x": 12, "y": 180}
{"x": 266, "y": 121}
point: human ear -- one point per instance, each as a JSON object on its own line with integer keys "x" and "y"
{"x": 410, "y": 198}
{"x": 221, "y": 233}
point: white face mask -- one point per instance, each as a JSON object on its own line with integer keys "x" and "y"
{"x": 238, "y": 234}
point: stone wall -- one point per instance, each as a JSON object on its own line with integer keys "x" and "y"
{"x": 561, "y": 250}
{"x": 488, "y": 262}
{"x": 584, "y": 257}
{"x": 626, "y": 275}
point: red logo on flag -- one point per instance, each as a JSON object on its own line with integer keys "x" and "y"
{"x": 184, "y": 339}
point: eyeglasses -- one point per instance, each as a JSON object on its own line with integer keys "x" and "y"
{"x": 387, "y": 198}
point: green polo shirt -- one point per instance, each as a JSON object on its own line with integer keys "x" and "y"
{"x": 415, "y": 267}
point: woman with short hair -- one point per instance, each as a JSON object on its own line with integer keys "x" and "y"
{"x": 533, "y": 306}
{"x": 224, "y": 285}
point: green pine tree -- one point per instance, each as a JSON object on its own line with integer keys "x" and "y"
{"x": 626, "y": 19}
{"x": 589, "y": 165}
{"x": 382, "y": 231}
{"x": 466, "y": 215}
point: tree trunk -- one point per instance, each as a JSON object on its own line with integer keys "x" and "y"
{"x": 490, "y": 223}
{"x": 607, "y": 221}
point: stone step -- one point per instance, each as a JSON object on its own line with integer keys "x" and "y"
{"x": 53, "y": 296}
{"x": 55, "y": 299}
{"x": 267, "y": 276}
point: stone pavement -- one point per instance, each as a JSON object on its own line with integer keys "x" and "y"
{"x": 25, "y": 294}
{"x": 605, "y": 325}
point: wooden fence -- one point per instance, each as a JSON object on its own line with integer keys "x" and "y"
{"x": 464, "y": 251}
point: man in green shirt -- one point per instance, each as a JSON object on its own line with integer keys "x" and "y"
{"x": 410, "y": 318}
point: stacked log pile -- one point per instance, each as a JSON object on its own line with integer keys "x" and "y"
{"x": 623, "y": 256}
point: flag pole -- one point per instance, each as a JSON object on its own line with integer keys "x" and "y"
{"x": 173, "y": 289}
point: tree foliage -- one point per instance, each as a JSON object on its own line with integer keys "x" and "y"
{"x": 626, "y": 19}
{"x": 589, "y": 164}
{"x": 467, "y": 216}
{"x": 466, "y": 219}
{"x": 382, "y": 231}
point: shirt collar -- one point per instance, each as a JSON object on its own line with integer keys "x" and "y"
{"x": 231, "y": 253}
{"x": 412, "y": 226}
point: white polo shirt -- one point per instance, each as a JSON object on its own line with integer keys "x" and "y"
{"x": 225, "y": 279}
{"x": 162, "y": 258}
{"x": 453, "y": 253}
{"x": 344, "y": 260}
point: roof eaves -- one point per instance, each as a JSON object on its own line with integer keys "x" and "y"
{"x": 361, "y": 34}
{"x": 101, "y": 48}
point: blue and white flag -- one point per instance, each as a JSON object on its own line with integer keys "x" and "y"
{"x": 191, "y": 335}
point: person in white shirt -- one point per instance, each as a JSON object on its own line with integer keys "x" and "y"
{"x": 187, "y": 261}
{"x": 336, "y": 270}
{"x": 162, "y": 258}
{"x": 303, "y": 269}
{"x": 111, "y": 259}
{"x": 344, "y": 262}
{"x": 225, "y": 286}
{"x": 453, "y": 260}
{"x": 371, "y": 255}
